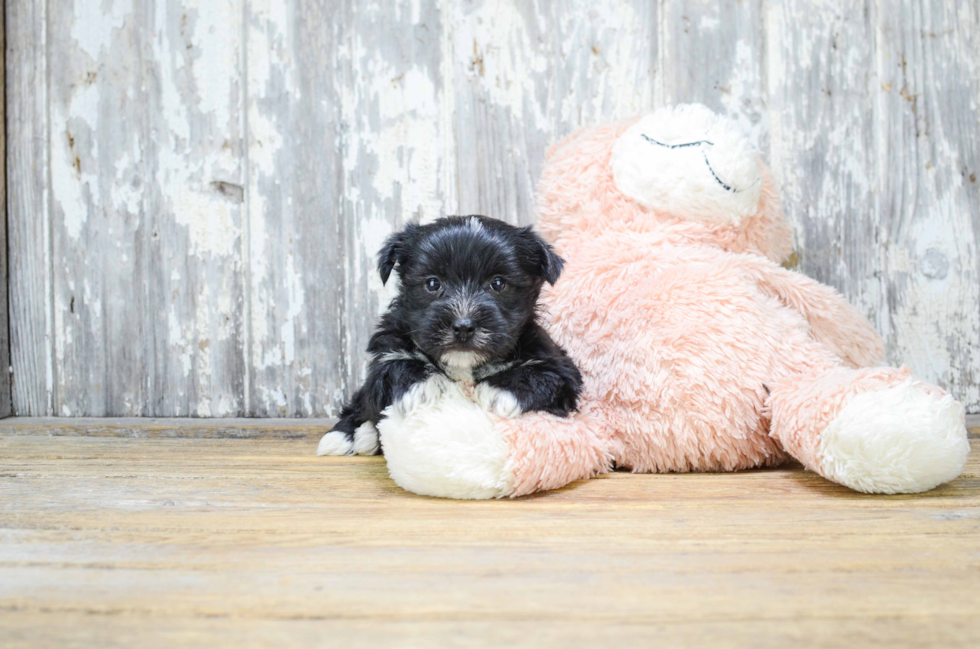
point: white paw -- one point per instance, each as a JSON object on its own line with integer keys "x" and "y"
{"x": 335, "y": 443}
{"x": 502, "y": 403}
{"x": 898, "y": 440}
{"x": 366, "y": 439}
{"x": 423, "y": 393}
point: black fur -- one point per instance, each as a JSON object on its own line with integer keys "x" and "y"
{"x": 489, "y": 276}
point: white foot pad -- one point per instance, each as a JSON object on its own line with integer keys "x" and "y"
{"x": 900, "y": 439}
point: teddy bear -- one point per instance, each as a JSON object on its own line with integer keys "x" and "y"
{"x": 699, "y": 351}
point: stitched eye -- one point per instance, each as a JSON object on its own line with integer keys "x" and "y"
{"x": 432, "y": 285}
{"x": 498, "y": 283}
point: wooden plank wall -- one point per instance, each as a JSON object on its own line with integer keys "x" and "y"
{"x": 198, "y": 187}
{"x": 6, "y": 406}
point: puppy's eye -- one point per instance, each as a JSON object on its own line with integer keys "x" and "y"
{"x": 498, "y": 283}
{"x": 432, "y": 285}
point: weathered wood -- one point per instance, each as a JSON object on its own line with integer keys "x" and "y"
{"x": 527, "y": 74}
{"x": 821, "y": 60}
{"x": 168, "y": 427}
{"x": 193, "y": 194}
{"x": 146, "y": 171}
{"x": 28, "y": 630}
{"x": 399, "y": 149}
{"x": 28, "y": 226}
{"x": 155, "y": 542}
{"x": 97, "y": 108}
{"x": 214, "y": 428}
{"x": 197, "y": 190}
{"x": 5, "y": 404}
{"x": 295, "y": 226}
{"x": 927, "y": 112}
{"x": 714, "y": 53}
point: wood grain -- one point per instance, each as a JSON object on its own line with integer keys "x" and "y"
{"x": 28, "y": 224}
{"x": 714, "y": 53}
{"x": 197, "y": 190}
{"x": 398, "y": 146}
{"x": 168, "y": 427}
{"x": 140, "y": 287}
{"x": 821, "y": 62}
{"x": 97, "y": 110}
{"x": 156, "y": 542}
{"x": 194, "y": 177}
{"x": 296, "y": 223}
{"x": 6, "y": 407}
{"x": 927, "y": 108}
{"x": 212, "y": 428}
{"x": 527, "y": 74}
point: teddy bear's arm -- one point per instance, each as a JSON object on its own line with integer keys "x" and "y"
{"x": 833, "y": 321}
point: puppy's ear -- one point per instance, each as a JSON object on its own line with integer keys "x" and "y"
{"x": 547, "y": 264}
{"x": 395, "y": 251}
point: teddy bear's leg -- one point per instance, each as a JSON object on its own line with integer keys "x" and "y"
{"x": 447, "y": 446}
{"x": 833, "y": 322}
{"x": 875, "y": 430}
{"x": 452, "y": 447}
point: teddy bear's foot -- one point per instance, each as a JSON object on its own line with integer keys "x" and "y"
{"x": 906, "y": 438}
{"x": 875, "y": 430}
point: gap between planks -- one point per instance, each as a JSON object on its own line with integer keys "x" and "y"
{"x": 180, "y": 427}
{"x": 167, "y": 427}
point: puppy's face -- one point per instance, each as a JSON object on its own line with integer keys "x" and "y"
{"x": 469, "y": 285}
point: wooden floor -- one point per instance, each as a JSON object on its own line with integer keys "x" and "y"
{"x": 150, "y": 541}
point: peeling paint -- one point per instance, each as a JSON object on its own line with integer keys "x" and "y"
{"x": 210, "y": 226}
{"x": 72, "y": 184}
{"x": 94, "y": 31}
{"x": 222, "y": 173}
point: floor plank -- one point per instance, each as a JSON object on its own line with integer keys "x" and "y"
{"x": 168, "y": 427}
{"x": 153, "y": 541}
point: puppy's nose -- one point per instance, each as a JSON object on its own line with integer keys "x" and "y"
{"x": 463, "y": 329}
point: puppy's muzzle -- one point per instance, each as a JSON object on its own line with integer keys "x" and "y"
{"x": 463, "y": 329}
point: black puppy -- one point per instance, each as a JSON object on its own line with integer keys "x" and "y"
{"x": 465, "y": 311}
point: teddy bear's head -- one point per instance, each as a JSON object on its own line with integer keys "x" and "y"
{"x": 684, "y": 170}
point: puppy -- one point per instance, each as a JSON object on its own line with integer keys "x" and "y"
{"x": 465, "y": 311}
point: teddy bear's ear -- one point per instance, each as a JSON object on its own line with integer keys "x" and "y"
{"x": 395, "y": 251}
{"x": 547, "y": 263}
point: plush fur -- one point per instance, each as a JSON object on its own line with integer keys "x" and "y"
{"x": 669, "y": 161}
{"x": 446, "y": 446}
{"x": 466, "y": 312}
{"x": 904, "y": 438}
{"x": 697, "y": 350}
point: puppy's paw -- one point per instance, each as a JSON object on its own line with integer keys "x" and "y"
{"x": 366, "y": 439}
{"x": 422, "y": 393}
{"x": 336, "y": 442}
{"x": 502, "y": 403}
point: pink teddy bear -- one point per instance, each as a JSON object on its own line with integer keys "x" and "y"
{"x": 698, "y": 350}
